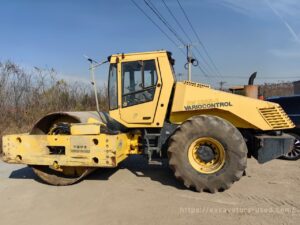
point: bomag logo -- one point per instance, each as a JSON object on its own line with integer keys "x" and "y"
{"x": 208, "y": 106}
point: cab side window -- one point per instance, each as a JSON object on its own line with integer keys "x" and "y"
{"x": 139, "y": 80}
{"x": 113, "y": 87}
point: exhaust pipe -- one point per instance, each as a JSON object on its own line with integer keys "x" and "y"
{"x": 251, "y": 90}
{"x": 251, "y": 78}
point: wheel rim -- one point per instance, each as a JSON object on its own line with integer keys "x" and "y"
{"x": 206, "y": 155}
{"x": 295, "y": 151}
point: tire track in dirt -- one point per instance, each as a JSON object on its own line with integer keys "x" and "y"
{"x": 245, "y": 199}
{"x": 262, "y": 200}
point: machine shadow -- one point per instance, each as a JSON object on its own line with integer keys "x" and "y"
{"x": 138, "y": 165}
{"x": 159, "y": 171}
{"x": 27, "y": 173}
{"x": 23, "y": 173}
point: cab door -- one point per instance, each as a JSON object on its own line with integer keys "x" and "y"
{"x": 140, "y": 90}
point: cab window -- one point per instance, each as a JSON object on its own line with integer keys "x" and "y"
{"x": 139, "y": 80}
{"x": 113, "y": 87}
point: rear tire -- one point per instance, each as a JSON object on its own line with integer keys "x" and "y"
{"x": 219, "y": 137}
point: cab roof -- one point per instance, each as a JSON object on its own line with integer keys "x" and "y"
{"x": 140, "y": 55}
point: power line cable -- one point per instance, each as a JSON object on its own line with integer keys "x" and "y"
{"x": 163, "y": 20}
{"x": 166, "y": 23}
{"x": 157, "y": 13}
{"x": 185, "y": 33}
{"x": 258, "y": 78}
{"x": 211, "y": 69}
{"x": 171, "y": 29}
{"x": 145, "y": 14}
{"x": 198, "y": 38}
{"x": 177, "y": 22}
{"x": 206, "y": 73}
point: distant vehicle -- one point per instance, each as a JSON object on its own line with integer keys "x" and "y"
{"x": 291, "y": 105}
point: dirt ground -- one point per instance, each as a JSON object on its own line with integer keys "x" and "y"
{"x": 138, "y": 193}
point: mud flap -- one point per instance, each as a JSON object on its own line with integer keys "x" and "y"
{"x": 272, "y": 147}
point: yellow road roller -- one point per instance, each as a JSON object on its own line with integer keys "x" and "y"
{"x": 206, "y": 134}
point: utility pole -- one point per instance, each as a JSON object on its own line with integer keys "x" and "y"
{"x": 179, "y": 75}
{"x": 189, "y": 60}
{"x": 222, "y": 84}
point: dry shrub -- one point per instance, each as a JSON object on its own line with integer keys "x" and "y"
{"x": 277, "y": 89}
{"x": 27, "y": 96}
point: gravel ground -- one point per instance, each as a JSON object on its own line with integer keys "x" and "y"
{"x": 138, "y": 193}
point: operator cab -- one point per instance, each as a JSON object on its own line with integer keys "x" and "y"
{"x": 135, "y": 86}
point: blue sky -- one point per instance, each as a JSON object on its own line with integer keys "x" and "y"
{"x": 241, "y": 36}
